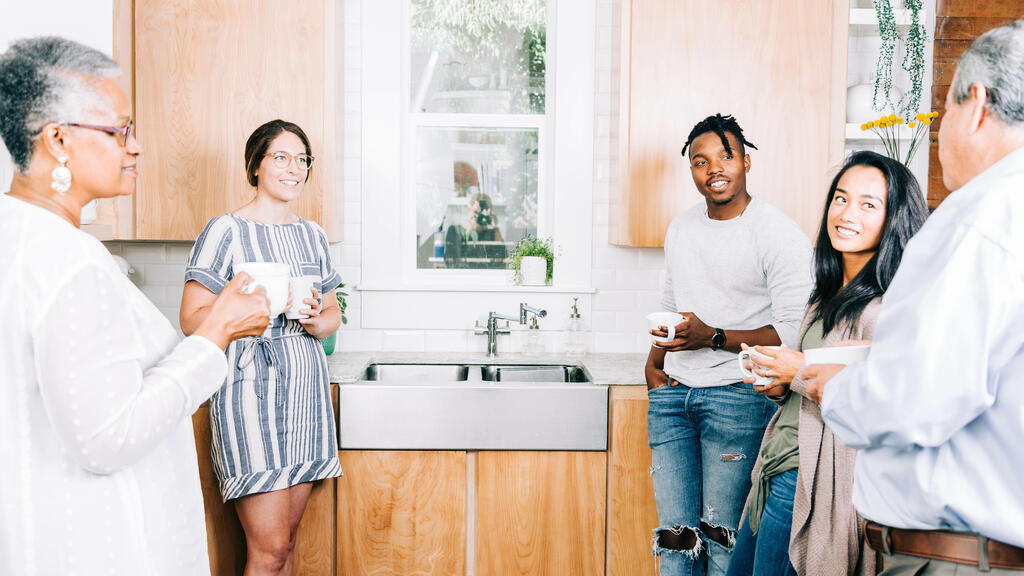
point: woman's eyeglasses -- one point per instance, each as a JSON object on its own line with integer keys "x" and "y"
{"x": 121, "y": 132}
{"x": 283, "y": 159}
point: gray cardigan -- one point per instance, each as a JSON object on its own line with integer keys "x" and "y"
{"x": 827, "y": 537}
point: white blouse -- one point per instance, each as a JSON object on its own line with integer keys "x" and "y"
{"x": 99, "y": 472}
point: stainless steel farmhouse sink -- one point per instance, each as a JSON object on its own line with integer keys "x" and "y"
{"x": 473, "y": 407}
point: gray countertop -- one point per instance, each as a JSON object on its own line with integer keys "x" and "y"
{"x": 605, "y": 369}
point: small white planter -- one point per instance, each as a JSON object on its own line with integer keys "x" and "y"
{"x": 533, "y": 270}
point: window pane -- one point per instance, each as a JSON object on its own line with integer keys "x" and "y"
{"x": 476, "y": 195}
{"x": 482, "y": 56}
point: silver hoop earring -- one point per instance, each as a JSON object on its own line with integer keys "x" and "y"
{"x": 61, "y": 177}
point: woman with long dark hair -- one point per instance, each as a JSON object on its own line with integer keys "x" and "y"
{"x": 800, "y": 517}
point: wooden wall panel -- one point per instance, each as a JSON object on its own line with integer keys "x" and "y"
{"x": 632, "y": 514}
{"x": 957, "y": 24}
{"x": 206, "y": 74}
{"x": 779, "y": 67}
{"x": 402, "y": 513}
{"x": 540, "y": 513}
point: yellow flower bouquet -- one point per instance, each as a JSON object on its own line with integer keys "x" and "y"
{"x": 891, "y": 128}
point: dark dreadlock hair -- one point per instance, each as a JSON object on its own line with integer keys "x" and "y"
{"x": 719, "y": 125}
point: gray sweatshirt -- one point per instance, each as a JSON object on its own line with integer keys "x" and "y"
{"x": 738, "y": 274}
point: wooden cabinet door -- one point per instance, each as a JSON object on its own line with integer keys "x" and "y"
{"x": 224, "y": 536}
{"x": 779, "y": 67}
{"x": 206, "y": 74}
{"x": 402, "y": 513}
{"x": 632, "y": 515}
{"x": 540, "y": 513}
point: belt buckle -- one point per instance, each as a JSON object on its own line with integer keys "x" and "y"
{"x": 886, "y": 539}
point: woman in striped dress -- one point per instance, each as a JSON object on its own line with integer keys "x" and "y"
{"x": 273, "y": 425}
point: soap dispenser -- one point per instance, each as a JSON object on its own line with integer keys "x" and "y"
{"x": 574, "y": 344}
{"x": 534, "y": 345}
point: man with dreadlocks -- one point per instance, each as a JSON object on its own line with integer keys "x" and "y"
{"x": 737, "y": 270}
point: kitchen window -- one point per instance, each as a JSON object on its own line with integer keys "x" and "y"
{"x": 469, "y": 142}
{"x": 477, "y": 124}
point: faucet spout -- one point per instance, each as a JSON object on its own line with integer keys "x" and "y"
{"x": 492, "y": 330}
{"x": 525, "y": 309}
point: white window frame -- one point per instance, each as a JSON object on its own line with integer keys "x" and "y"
{"x": 391, "y": 285}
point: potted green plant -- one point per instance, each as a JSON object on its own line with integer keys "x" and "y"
{"x": 328, "y": 343}
{"x": 533, "y": 261}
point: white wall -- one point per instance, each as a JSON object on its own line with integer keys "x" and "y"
{"x": 627, "y": 280}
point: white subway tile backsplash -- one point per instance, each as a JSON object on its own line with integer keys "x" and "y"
{"x": 637, "y": 279}
{"x": 165, "y": 274}
{"x": 446, "y": 340}
{"x": 614, "y": 342}
{"x": 609, "y": 256}
{"x": 359, "y": 340}
{"x": 603, "y": 278}
{"x": 348, "y": 255}
{"x": 649, "y": 300}
{"x": 404, "y": 341}
{"x": 651, "y": 257}
{"x": 602, "y": 321}
{"x": 178, "y": 252}
{"x": 145, "y": 253}
{"x": 155, "y": 294}
{"x": 632, "y": 321}
{"x": 352, "y": 11}
{"x": 615, "y": 300}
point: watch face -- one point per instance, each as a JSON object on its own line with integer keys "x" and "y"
{"x": 718, "y": 340}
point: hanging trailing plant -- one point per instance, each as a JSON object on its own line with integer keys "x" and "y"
{"x": 890, "y": 36}
{"x": 913, "y": 59}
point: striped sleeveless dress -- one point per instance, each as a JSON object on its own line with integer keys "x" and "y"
{"x": 273, "y": 424}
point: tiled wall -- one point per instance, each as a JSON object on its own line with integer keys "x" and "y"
{"x": 627, "y": 280}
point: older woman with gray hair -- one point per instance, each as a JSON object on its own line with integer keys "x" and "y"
{"x": 96, "y": 386}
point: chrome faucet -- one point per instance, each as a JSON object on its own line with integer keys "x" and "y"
{"x": 492, "y": 330}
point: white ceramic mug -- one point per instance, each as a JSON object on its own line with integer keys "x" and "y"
{"x": 273, "y": 276}
{"x": 656, "y": 320}
{"x": 836, "y": 354}
{"x": 753, "y": 356}
{"x": 300, "y": 287}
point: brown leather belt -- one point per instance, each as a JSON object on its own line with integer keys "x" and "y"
{"x": 955, "y": 547}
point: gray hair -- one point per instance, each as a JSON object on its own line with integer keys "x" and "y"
{"x": 996, "y": 61}
{"x": 45, "y": 80}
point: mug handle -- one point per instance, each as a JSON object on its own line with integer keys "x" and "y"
{"x": 671, "y": 333}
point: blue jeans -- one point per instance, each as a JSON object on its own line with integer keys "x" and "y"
{"x": 767, "y": 552}
{"x": 704, "y": 443}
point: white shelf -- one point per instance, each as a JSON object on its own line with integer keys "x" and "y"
{"x": 866, "y": 17}
{"x": 854, "y": 133}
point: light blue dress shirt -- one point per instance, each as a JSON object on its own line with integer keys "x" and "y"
{"x": 937, "y": 409}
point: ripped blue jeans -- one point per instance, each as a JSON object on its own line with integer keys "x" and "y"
{"x": 704, "y": 443}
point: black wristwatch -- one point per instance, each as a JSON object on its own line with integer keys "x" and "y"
{"x": 718, "y": 340}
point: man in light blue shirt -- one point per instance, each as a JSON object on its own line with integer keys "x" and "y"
{"x": 937, "y": 409}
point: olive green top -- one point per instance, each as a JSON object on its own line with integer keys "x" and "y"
{"x": 782, "y": 452}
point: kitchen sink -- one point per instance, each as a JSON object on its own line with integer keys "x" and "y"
{"x": 473, "y": 407}
{"x": 415, "y": 373}
{"x": 410, "y": 374}
{"x": 534, "y": 373}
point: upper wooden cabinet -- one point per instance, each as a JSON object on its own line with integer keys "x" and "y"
{"x": 204, "y": 74}
{"x": 779, "y": 67}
